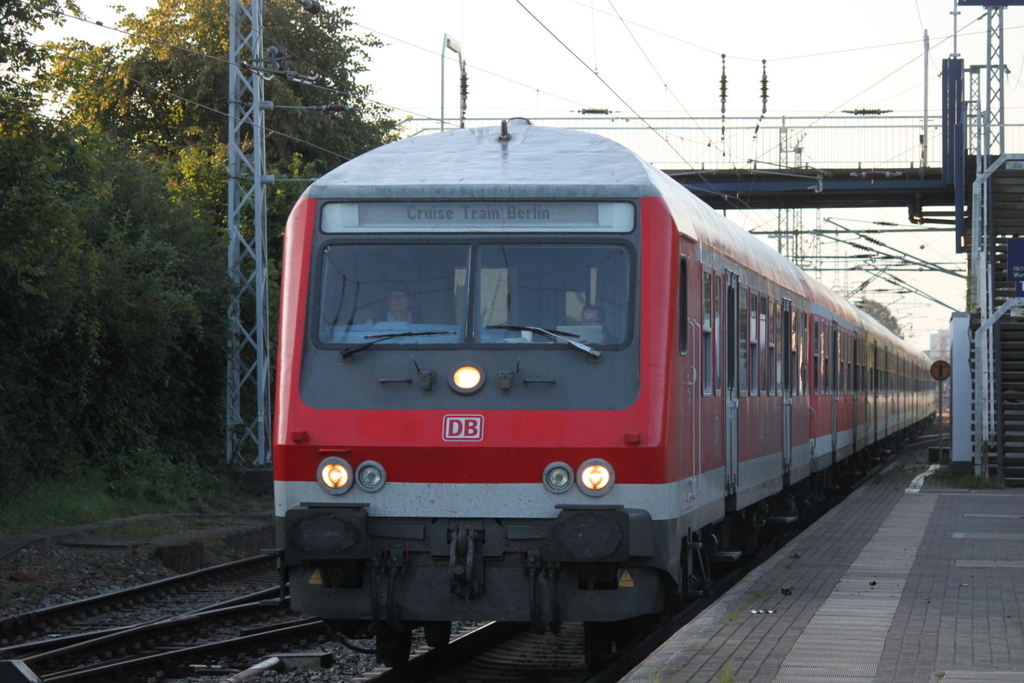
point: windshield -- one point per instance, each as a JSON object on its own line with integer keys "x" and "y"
{"x": 368, "y": 292}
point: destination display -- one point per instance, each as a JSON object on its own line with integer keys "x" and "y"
{"x": 477, "y": 216}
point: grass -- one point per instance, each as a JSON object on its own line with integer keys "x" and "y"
{"x": 87, "y": 501}
{"x": 964, "y": 481}
{"x": 754, "y": 597}
{"x": 725, "y": 674}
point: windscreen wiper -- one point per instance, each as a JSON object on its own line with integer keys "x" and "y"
{"x": 557, "y": 336}
{"x": 352, "y": 350}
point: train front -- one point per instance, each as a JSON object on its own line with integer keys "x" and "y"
{"x": 462, "y": 430}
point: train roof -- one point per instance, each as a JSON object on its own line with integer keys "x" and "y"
{"x": 537, "y": 162}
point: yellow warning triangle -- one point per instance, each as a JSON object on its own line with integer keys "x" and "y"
{"x": 317, "y": 579}
{"x": 625, "y": 581}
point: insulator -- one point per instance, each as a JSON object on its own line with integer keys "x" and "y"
{"x": 723, "y": 90}
{"x": 723, "y": 82}
{"x": 591, "y": 110}
{"x": 464, "y": 85}
{"x": 277, "y": 59}
{"x": 764, "y": 86}
{"x": 867, "y": 112}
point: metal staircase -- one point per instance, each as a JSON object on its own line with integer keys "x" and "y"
{"x": 1007, "y": 221}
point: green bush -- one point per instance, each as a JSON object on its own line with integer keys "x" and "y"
{"x": 112, "y": 317}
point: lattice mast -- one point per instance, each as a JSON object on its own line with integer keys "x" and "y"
{"x": 248, "y": 418}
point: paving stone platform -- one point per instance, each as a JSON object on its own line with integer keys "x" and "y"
{"x": 906, "y": 581}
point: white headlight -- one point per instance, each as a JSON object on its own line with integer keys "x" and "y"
{"x": 371, "y": 476}
{"x": 558, "y": 477}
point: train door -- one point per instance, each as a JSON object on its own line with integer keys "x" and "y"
{"x": 786, "y": 388}
{"x": 833, "y": 381}
{"x": 732, "y": 401}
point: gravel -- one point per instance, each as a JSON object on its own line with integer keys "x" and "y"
{"x": 39, "y": 576}
{"x": 44, "y": 574}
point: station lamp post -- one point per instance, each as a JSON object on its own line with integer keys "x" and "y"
{"x": 456, "y": 47}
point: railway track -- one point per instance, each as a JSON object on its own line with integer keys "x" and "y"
{"x": 216, "y": 617}
{"x": 219, "y": 585}
{"x": 226, "y": 608}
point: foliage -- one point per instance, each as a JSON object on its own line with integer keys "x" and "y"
{"x": 882, "y": 314}
{"x": 113, "y": 290}
{"x": 18, "y": 19}
{"x": 164, "y": 88}
{"x": 111, "y": 314}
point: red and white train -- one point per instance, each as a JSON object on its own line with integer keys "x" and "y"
{"x": 525, "y": 376}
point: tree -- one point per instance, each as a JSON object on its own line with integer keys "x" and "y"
{"x": 112, "y": 323}
{"x": 18, "y": 19}
{"x": 882, "y": 314}
{"x": 164, "y": 89}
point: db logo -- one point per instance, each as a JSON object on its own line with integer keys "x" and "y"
{"x": 463, "y": 428}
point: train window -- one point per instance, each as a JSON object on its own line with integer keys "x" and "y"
{"x": 366, "y": 290}
{"x": 856, "y": 365}
{"x": 873, "y": 369}
{"x": 579, "y": 289}
{"x": 847, "y": 363}
{"x": 851, "y": 366}
{"x": 841, "y": 364}
{"x": 778, "y": 352}
{"x": 804, "y": 368}
{"x": 785, "y": 348}
{"x": 718, "y": 334}
{"x": 684, "y": 323}
{"x": 420, "y": 293}
{"x": 765, "y": 340}
{"x": 707, "y": 356}
{"x": 817, "y": 357}
{"x": 831, "y": 347}
{"x": 754, "y": 349}
{"x": 743, "y": 341}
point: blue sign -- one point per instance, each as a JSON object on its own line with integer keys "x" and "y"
{"x": 1015, "y": 259}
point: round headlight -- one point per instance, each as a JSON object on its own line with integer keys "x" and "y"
{"x": 334, "y": 475}
{"x": 595, "y": 477}
{"x": 370, "y": 476}
{"x": 558, "y": 477}
{"x": 466, "y": 379}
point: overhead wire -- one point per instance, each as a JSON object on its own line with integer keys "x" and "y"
{"x": 810, "y": 55}
{"x": 654, "y": 68}
{"x": 474, "y": 67}
{"x": 607, "y": 85}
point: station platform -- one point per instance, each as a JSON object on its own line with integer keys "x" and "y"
{"x": 908, "y": 580}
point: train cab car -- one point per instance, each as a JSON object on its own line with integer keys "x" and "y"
{"x": 519, "y": 373}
